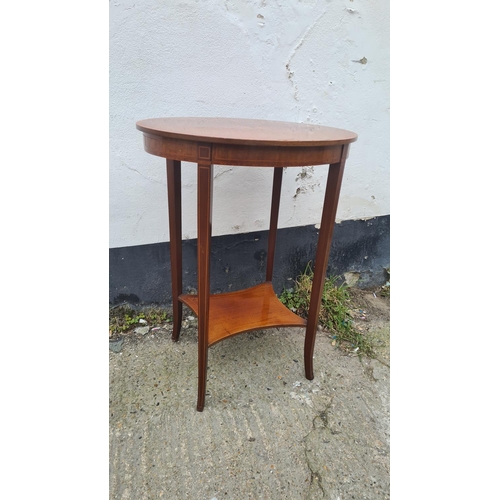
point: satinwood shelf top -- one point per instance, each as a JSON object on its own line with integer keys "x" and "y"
{"x": 246, "y": 131}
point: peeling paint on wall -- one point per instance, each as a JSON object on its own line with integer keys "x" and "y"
{"x": 307, "y": 181}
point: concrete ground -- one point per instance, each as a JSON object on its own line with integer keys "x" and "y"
{"x": 266, "y": 432}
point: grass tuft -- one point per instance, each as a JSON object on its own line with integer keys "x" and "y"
{"x": 334, "y": 315}
{"x": 124, "y": 317}
{"x": 386, "y": 289}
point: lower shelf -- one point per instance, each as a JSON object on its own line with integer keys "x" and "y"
{"x": 237, "y": 312}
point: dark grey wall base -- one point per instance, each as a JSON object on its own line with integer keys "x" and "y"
{"x": 141, "y": 274}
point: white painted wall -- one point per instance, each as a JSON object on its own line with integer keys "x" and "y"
{"x": 288, "y": 60}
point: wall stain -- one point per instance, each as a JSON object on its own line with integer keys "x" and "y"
{"x": 260, "y": 255}
{"x": 305, "y": 173}
{"x": 304, "y": 178}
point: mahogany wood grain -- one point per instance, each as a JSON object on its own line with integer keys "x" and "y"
{"x": 205, "y": 190}
{"x": 332, "y": 194}
{"x": 237, "y": 155}
{"x": 273, "y": 225}
{"x": 175, "y": 149}
{"x": 243, "y": 311}
{"x": 246, "y": 131}
{"x": 275, "y": 156}
{"x": 174, "y": 218}
{"x": 240, "y": 142}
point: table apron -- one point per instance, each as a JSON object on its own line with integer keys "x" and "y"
{"x": 244, "y": 155}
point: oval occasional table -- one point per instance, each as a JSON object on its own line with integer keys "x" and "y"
{"x": 245, "y": 143}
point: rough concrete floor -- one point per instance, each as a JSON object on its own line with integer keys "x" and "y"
{"x": 266, "y": 431}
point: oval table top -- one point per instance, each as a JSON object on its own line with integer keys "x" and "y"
{"x": 246, "y": 131}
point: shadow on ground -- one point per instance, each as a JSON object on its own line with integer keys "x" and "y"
{"x": 266, "y": 431}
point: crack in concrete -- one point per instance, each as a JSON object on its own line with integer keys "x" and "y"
{"x": 370, "y": 411}
{"x": 316, "y": 474}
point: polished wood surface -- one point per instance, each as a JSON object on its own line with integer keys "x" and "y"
{"x": 332, "y": 194}
{"x": 205, "y": 195}
{"x": 235, "y": 154}
{"x": 246, "y": 131}
{"x": 174, "y": 218}
{"x": 273, "y": 225}
{"x": 243, "y": 311}
{"x": 209, "y": 141}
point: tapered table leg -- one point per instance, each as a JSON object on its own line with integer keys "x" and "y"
{"x": 273, "y": 225}
{"x": 322, "y": 253}
{"x": 174, "y": 218}
{"x": 205, "y": 190}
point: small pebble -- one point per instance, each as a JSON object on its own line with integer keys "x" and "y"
{"x": 116, "y": 345}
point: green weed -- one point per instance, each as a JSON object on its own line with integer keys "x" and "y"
{"x": 386, "y": 289}
{"x": 123, "y": 318}
{"x": 334, "y": 313}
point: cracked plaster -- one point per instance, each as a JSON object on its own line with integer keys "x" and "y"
{"x": 304, "y": 61}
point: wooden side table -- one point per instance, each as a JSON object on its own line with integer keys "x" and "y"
{"x": 243, "y": 142}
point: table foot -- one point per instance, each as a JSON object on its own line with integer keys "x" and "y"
{"x": 202, "y": 379}
{"x": 177, "y": 322}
